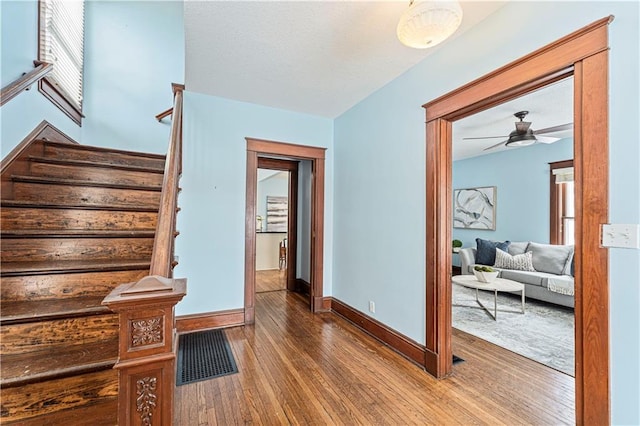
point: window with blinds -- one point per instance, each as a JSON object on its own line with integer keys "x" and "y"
{"x": 562, "y": 219}
{"x": 61, "y": 42}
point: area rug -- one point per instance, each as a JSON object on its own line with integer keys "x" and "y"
{"x": 204, "y": 355}
{"x": 544, "y": 333}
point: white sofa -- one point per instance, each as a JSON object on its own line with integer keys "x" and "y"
{"x": 553, "y": 265}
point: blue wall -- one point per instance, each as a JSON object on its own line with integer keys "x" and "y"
{"x": 212, "y": 220}
{"x": 303, "y": 267}
{"x": 521, "y": 176}
{"x": 19, "y": 49}
{"x": 133, "y": 51}
{"x": 271, "y": 186}
{"x": 380, "y": 179}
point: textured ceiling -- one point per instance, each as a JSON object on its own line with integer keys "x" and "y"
{"x": 315, "y": 57}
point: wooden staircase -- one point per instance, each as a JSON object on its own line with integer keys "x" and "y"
{"x": 76, "y": 222}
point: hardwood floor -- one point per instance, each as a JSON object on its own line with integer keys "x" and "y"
{"x": 299, "y": 368}
{"x": 271, "y": 280}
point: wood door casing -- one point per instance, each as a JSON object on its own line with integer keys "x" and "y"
{"x": 273, "y": 149}
{"x": 582, "y": 54}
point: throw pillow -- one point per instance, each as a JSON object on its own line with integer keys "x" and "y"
{"x": 518, "y": 247}
{"x": 486, "y": 250}
{"x": 550, "y": 258}
{"x": 519, "y": 262}
{"x": 569, "y": 265}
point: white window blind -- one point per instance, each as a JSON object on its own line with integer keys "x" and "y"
{"x": 62, "y": 44}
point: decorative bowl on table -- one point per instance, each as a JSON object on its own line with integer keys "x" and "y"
{"x": 486, "y": 276}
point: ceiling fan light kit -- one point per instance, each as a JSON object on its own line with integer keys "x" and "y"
{"x": 523, "y": 135}
{"x": 427, "y": 23}
{"x": 521, "y": 139}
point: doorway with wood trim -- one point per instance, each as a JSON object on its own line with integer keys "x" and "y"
{"x": 276, "y": 224}
{"x": 583, "y": 55}
{"x": 271, "y": 154}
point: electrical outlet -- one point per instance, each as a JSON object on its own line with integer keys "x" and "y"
{"x": 620, "y": 235}
{"x": 372, "y": 307}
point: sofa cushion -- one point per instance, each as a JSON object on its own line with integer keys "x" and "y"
{"x": 550, "y": 258}
{"x": 518, "y": 247}
{"x": 525, "y": 277}
{"x": 486, "y": 252}
{"x": 520, "y": 262}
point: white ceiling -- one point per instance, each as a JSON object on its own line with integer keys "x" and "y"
{"x": 264, "y": 174}
{"x": 315, "y": 57}
{"x": 548, "y": 107}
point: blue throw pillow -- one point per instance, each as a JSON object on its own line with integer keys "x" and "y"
{"x": 486, "y": 254}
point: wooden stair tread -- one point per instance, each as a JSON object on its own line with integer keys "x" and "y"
{"x": 37, "y": 204}
{"x": 67, "y": 266}
{"x": 29, "y": 367}
{"x": 76, "y": 233}
{"x": 22, "y": 311}
{"x": 103, "y": 149}
{"x": 102, "y": 413}
{"x": 74, "y": 182}
{"x": 87, "y": 163}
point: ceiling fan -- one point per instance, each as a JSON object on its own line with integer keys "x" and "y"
{"x": 523, "y": 135}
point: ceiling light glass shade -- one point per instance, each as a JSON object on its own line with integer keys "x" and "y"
{"x": 521, "y": 139}
{"x": 428, "y": 23}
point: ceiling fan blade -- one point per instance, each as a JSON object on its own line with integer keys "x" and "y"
{"x": 552, "y": 129}
{"x": 494, "y": 146}
{"x": 546, "y": 139}
{"x": 485, "y": 137}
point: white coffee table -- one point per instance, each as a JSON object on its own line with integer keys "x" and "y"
{"x": 499, "y": 284}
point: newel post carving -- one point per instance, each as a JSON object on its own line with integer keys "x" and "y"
{"x": 146, "y": 361}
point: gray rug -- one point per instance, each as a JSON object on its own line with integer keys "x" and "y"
{"x": 543, "y": 333}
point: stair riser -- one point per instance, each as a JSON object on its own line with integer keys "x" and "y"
{"x": 71, "y": 153}
{"x": 76, "y": 219}
{"x": 85, "y": 195}
{"x": 57, "y": 286}
{"x": 19, "y": 166}
{"x": 24, "y": 402}
{"x": 43, "y": 249}
{"x": 96, "y": 174}
{"x": 17, "y": 338}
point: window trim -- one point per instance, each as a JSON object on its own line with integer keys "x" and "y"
{"x": 48, "y": 88}
{"x": 557, "y": 204}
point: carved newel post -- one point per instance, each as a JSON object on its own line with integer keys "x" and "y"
{"x": 146, "y": 361}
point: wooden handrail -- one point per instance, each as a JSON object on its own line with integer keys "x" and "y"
{"x": 164, "y": 114}
{"x": 23, "y": 83}
{"x": 147, "y": 343}
{"x": 162, "y": 257}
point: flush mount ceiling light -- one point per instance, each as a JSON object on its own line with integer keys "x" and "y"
{"x": 428, "y": 23}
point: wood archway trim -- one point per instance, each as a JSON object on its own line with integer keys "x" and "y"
{"x": 583, "y": 54}
{"x": 261, "y": 147}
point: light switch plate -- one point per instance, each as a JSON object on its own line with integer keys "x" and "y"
{"x": 620, "y": 235}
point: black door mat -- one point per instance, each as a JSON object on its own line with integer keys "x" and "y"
{"x": 204, "y": 355}
{"x": 457, "y": 359}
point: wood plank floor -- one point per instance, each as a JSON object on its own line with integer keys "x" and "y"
{"x": 271, "y": 280}
{"x": 296, "y": 368}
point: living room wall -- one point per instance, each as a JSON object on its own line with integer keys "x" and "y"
{"x": 379, "y": 247}
{"x": 212, "y": 220}
{"x": 521, "y": 176}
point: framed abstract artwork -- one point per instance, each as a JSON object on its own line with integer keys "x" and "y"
{"x": 277, "y": 213}
{"x": 475, "y": 208}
